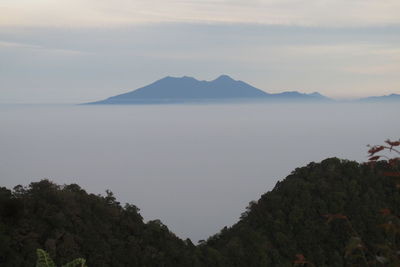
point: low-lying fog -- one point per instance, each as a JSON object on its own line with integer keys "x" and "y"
{"x": 195, "y": 167}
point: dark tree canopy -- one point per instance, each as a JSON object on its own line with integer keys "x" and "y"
{"x": 323, "y": 213}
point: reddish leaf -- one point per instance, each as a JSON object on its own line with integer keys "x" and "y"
{"x": 331, "y": 217}
{"x": 395, "y": 143}
{"x": 388, "y": 227}
{"x": 300, "y": 259}
{"x": 392, "y": 174}
{"x": 375, "y": 149}
{"x": 385, "y": 211}
{"x": 374, "y": 158}
{"x": 393, "y": 162}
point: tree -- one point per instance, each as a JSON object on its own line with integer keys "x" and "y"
{"x": 44, "y": 260}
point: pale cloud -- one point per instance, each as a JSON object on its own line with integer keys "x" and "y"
{"x": 385, "y": 53}
{"x": 22, "y": 46}
{"x": 375, "y": 69}
{"x": 18, "y": 45}
{"x": 375, "y": 54}
{"x": 105, "y": 13}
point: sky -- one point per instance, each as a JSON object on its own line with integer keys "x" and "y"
{"x": 72, "y": 51}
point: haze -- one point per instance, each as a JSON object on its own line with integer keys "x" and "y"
{"x": 195, "y": 167}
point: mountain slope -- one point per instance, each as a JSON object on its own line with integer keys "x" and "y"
{"x": 298, "y": 217}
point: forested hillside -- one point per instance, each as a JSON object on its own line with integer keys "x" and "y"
{"x": 69, "y": 223}
{"x": 333, "y": 213}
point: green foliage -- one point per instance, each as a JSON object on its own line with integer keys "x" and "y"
{"x": 76, "y": 263}
{"x": 43, "y": 259}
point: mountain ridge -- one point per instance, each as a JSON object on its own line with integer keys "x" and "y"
{"x": 385, "y": 98}
{"x": 188, "y": 89}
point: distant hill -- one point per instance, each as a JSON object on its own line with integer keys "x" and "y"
{"x": 385, "y": 98}
{"x": 188, "y": 89}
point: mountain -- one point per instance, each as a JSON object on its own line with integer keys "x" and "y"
{"x": 332, "y": 213}
{"x": 188, "y": 89}
{"x": 297, "y": 96}
{"x": 385, "y": 98}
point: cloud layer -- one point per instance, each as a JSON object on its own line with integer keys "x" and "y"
{"x": 104, "y": 13}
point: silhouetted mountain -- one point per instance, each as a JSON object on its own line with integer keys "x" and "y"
{"x": 385, "y": 98}
{"x": 188, "y": 89}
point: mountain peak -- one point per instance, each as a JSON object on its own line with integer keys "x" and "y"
{"x": 316, "y": 94}
{"x": 177, "y": 78}
{"x": 224, "y": 77}
{"x": 188, "y": 78}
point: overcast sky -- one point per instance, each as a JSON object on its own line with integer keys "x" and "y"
{"x": 69, "y": 51}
